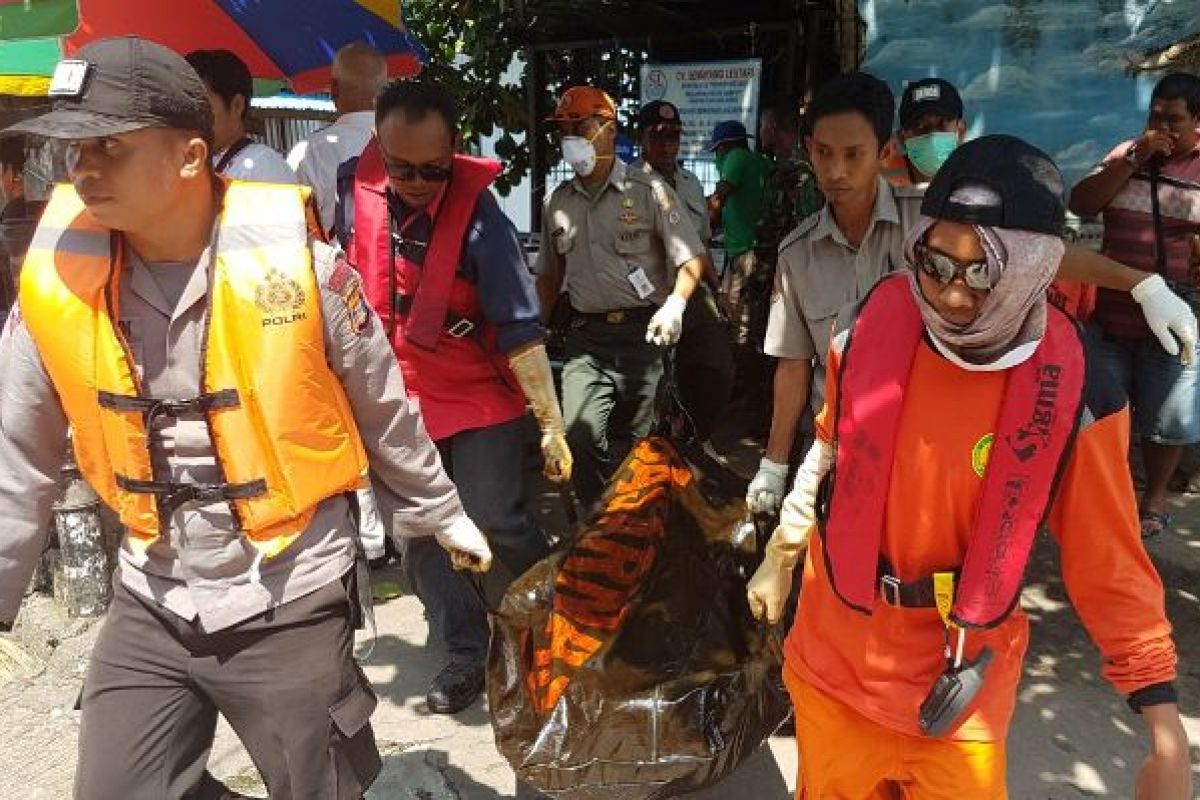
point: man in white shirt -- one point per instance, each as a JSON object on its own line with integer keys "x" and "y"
{"x": 359, "y": 71}
{"x": 230, "y": 87}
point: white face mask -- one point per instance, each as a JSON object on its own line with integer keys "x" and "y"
{"x": 580, "y": 154}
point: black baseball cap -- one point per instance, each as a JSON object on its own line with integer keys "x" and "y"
{"x": 120, "y": 85}
{"x": 1015, "y": 186}
{"x": 929, "y": 96}
{"x": 658, "y": 113}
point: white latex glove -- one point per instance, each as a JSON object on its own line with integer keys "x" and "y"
{"x": 766, "y": 491}
{"x": 667, "y": 323}
{"x": 466, "y": 545}
{"x": 370, "y": 526}
{"x": 1167, "y": 314}
{"x": 769, "y": 589}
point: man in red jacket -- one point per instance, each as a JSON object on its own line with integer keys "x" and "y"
{"x": 444, "y": 270}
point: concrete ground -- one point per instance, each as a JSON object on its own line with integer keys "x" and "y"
{"x": 1073, "y": 737}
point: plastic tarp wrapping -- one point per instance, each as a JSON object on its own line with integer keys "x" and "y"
{"x": 627, "y": 666}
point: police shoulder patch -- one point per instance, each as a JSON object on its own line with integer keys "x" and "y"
{"x": 347, "y": 284}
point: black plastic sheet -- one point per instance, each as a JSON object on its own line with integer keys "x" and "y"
{"x": 627, "y": 666}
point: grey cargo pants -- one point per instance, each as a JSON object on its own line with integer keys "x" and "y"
{"x": 286, "y": 681}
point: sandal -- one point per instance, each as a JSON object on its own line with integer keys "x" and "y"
{"x": 1154, "y": 522}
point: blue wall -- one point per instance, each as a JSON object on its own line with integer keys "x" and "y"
{"x": 1050, "y": 71}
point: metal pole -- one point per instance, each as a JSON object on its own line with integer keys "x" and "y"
{"x": 534, "y": 86}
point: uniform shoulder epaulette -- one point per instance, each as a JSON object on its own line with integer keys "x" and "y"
{"x": 689, "y": 176}
{"x": 803, "y": 228}
{"x": 649, "y": 178}
{"x": 562, "y": 186}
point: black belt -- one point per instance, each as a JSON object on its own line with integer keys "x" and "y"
{"x": 617, "y": 316}
{"x": 921, "y": 593}
{"x": 454, "y": 325}
{"x": 911, "y": 594}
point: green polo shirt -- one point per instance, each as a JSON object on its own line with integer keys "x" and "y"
{"x": 746, "y": 172}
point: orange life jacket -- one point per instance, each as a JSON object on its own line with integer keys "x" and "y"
{"x": 281, "y": 427}
{"x": 895, "y": 169}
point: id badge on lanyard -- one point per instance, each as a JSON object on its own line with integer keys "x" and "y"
{"x": 640, "y": 282}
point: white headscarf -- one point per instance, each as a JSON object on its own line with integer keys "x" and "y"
{"x": 1013, "y": 316}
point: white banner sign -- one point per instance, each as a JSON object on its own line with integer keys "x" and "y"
{"x": 705, "y": 92}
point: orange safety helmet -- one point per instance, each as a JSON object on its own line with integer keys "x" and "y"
{"x": 583, "y": 102}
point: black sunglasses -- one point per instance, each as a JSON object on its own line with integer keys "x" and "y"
{"x": 945, "y": 269}
{"x": 430, "y": 173}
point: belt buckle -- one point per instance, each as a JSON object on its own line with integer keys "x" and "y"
{"x": 889, "y": 590}
{"x": 461, "y": 328}
{"x": 615, "y": 317}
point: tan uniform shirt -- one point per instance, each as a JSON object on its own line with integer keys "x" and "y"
{"x": 202, "y": 567}
{"x": 691, "y": 194}
{"x": 635, "y": 222}
{"x": 819, "y": 273}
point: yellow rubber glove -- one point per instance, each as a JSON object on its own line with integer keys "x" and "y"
{"x": 771, "y": 585}
{"x": 532, "y": 368}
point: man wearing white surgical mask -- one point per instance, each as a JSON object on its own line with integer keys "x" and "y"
{"x": 622, "y": 246}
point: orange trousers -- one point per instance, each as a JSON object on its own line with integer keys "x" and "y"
{"x": 845, "y": 756}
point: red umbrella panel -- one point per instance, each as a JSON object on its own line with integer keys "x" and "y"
{"x": 278, "y": 39}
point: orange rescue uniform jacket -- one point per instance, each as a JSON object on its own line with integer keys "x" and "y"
{"x": 883, "y": 665}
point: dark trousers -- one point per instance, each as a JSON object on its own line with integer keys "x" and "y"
{"x": 609, "y": 382}
{"x": 286, "y": 681}
{"x": 489, "y": 469}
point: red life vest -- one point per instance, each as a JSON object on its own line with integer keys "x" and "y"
{"x": 1038, "y": 420}
{"x": 1075, "y": 298}
{"x": 461, "y": 381}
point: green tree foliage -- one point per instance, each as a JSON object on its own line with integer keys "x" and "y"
{"x": 471, "y": 44}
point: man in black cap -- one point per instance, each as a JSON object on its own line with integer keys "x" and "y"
{"x": 704, "y": 355}
{"x": 954, "y": 385}
{"x": 931, "y": 126}
{"x": 216, "y": 369}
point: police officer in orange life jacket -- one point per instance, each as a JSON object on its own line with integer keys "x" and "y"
{"x": 444, "y": 269}
{"x": 216, "y": 368}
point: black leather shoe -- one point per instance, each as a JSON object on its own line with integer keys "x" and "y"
{"x": 455, "y": 687}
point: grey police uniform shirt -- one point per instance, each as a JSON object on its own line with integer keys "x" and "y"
{"x": 203, "y": 567}
{"x": 819, "y": 273}
{"x": 691, "y": 193}
{"x": 636, "y": 221}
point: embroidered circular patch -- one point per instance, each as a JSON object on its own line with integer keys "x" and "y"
{"x": 981, "y": 454}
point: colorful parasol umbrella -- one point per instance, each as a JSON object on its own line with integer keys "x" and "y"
{"x": 282, "y": 40}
